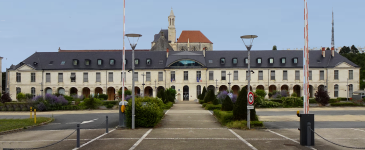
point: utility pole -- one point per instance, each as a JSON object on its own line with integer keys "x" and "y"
{"x": 216, "y": 85}
{"x": 143, "y": 84}
{"x": 229, "y": 82}
{"x": 155, "y": 88}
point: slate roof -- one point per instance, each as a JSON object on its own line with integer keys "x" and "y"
{"x": 161, "y": 45}
{"x": 157, "y": 36}
{"x": 193, "y": 36}
{"x": 44, "y": 58}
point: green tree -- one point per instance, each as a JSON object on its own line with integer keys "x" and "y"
{"x": 274, "y": 47}
{"x": 354, "y": 49}
{"x": 203, "y": 93}
{"x": 209, "y": 97}
{"x": 322, "y": 96}
{"x": 162, "y": 94}
{"x": 240, "y": 107}
{"x": 227, "y": 104}
{"x": 170, "y": 95}
{"x": 260, "y": 93}
{"x": 344, "y": 50}
{"x": 328, "y": 48}
{"x": 358, "y": 59}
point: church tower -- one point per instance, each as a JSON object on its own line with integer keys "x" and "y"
{"x": 172, "y": 30}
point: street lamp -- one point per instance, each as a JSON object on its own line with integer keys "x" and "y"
{"x": 229, "y": 82}
{"x": 250, "y": 39}
{"x": 133, "y": 45}
{"x": 155, "y": 87}
{"x": 216, "y": 85}
{"x": 143, "y": 84}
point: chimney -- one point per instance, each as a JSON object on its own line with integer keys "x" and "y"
{"x": 167, "y": 52}
{"x": 333, "y": 51}
{"x": 59, "y": 49}
{"x": 204, "y": 51}
{"x": 323, "y": 51}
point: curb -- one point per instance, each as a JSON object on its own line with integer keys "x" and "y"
{"x": 28, "y": 127}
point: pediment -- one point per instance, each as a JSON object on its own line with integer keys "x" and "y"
{"x": 25, "y": 67}
{"x": 343, "y": 65}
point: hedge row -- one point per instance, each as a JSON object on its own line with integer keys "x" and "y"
{"x": 213, "y": 107}
{"x": 345, "y": 104}
{"x": 227, "y": 118}
{"x": 223, "y": 116}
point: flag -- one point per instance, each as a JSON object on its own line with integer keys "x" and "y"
{"x": 197, "y": 79}
{"x": 200, "y": 79}
{"x": 171, "y": 79}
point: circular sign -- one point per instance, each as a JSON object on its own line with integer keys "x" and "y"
{"x": 250, "y": 98}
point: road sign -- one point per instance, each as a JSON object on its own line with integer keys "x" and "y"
{"x": 250, "y": 98}
{"x": 230, "y": 95}
{"x": 250, "y": 107}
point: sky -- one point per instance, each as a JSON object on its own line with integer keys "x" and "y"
{"x": 29, "y": 26}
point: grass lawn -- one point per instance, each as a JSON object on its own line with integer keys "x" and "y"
{"x": 10, "y": 124}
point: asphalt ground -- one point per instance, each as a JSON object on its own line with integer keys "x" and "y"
{"x": 185, "y": 126}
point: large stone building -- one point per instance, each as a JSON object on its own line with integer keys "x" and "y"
{"x": 189, "y": 40}
{"x": 94, "y": 72}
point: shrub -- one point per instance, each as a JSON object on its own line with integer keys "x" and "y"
{"x": 221, "y": 97}
{"x": 322, "y": 96}
{"x": 170, "y": 95}
{"x": 201, "y": 96}
{"x": 294, "y": 95}
{"x": 242, "y": 124}
{"x": 91, "y": 103}
{"x": 5, "y": 98}
{"x": 332, "y": 100}
{"x": 292, "y": 102}
{"x": 240, "y": 107}
{"x": 168, "y": 105}
{"x": 162, "y": 94}
{"x": 312, "y": 100}
{"x": 201, "y": 101}
{"x": 101, "y": 97}
{"x": 68, "y": 98}
{"x": 212, "y": 106}
{"x": 269, "y": 104}
{"x": 260, "y": 93}
{"x": 223, "y": 116}
{"x": 109, "y": 104}
{"x": 209, "y": 97}
{"x": 344, "y": 104}
{"x": 227, "y": 104}
{"x": 277, "y": 94}
{"x": 204, "y": 104}
{"x": 146, "y": 116}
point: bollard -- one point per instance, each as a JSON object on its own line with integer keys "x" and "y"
{"x": 122, "y": 117}
{"x": 35, "y": 116}
{"x": 78, "y": 136}
{"x": 306, "y": 127}
{"x": 106, "y": 125}
{"x": 309, "y": 134}
{"x": 30, "y": 112}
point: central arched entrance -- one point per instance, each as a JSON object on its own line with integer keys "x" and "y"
{"x": 111, "y": 93}
{"x": 73, "y": 91}
{"x": 148, "y": 91}
{"x": 86, "y": 92}
{"x": 186, "y": 93}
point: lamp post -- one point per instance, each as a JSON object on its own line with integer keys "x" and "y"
{"x": 143, "y": 84}
{"x": 216, "y": 85}
{"x": 229, "y": 82}
{"x": 155, "y": 87}
{"x": 347, "y": 89}
{"x": 133, "y": 45}
{"x": 250, "y": 38}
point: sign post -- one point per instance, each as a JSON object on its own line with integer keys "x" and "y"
{"x": 250, "y": 98}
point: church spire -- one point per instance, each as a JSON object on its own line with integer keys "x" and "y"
{"x": 172, "y": 13}
{"x": 333, "y": 33}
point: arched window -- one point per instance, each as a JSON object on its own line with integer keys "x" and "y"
{"x": 18, "y": 90}
{"x": 336, "y": 90}
{"x": 32, "y": 91}
{"x": 185, "y": 63}
{"x": 173, "y": 21}
{"x": 173, "y": 87}
{"x": 198, "y": 90}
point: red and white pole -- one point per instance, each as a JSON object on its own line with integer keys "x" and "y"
{"x": 306, "y": 62}
{"x": 123, "y": 66}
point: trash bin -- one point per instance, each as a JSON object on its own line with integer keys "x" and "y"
{"x": 122, "y": 117}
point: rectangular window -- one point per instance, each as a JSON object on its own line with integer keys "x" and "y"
{"x": 235, "y": 75}
{"x": 351, "y": 74}
{"x": 297, "y": 75}
{"x": 18, "y": 77}
{"x": 211, "y": 75}
{"x": 73, "y": 77}
{"x": 198, "y": 76}
{"x": 285, "y": 75}
{"x": 48, "y": 77}
{"x": 172, "y": 75}
{"x": 247, "y": 75}
{"x": 186, "y": 76}
{"x": 32, "y": 77}
{"x": 160, "y": 76}
{"x": 60, "y": 77}
{"x": 223, "y": 75}
{"x": 98, "y": 77}
{"x": 148, "y": 76}
{"x": 272, "y": 75}
{"x": 136, "y": 76}
{"x": 336, "y": 74}
{"x": 210, "y": 61}
{"x": 321, "y": 75}
{"x": 261, "y": 75}
{"x": 310, "y": 74}
{"x": 110, "y": 77}
{"x": 86, "y": 77}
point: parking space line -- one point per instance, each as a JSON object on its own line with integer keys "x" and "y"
{"x": 140, "y": 140}
{"x": 193, "y": 128}
{"x": 358, "y": 129}
{"x": 289, "y": 138}
{"x": 243, "y": 140}
{"x": 93, "y": 140}
{"x": 210, "y": 112}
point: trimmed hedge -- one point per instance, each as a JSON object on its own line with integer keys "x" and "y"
{"x": 278, "y": 100}
{"x": 213, "y": 107}
{"x": 15, "y": 106}
{"x": 312, "y": 100}
{"x": 110, "y": 104}
{"x": 334, "y": 100}
{"x": 201, "y": 101}
{"x": 223, "y": 116}
{"x": 168, "y": 105}
{"x": 256, "y": 123}
{"x": 345, "y": 104}
{"x": 292, "y": 102}
{"x": 342, "y": 98}
{"x": 147, "y": 115}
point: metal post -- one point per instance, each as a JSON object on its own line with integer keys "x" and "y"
{"x": 216, "y": 85}
{"x": 155, "y": 88}
{"x": 143, "y": 84}
{"x": 133, "y": 103}
{"x": 78, "y": 135}
{"x": 248, "y": 85}
{"x": 229, "y": 82}
{"x": 107, "y": 125}
{"x": 347, "y": 89}
{"x": 309, "y": 134}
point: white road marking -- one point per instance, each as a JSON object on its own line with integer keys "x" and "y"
{"x": 167, "y": 111}
{"x": 53, "y": 123}
{"x": 289, "y": 139}
{"x": 243, "y": 140}
{"x": 193, "y": 128}
{"x": 72, "y": 123}
{"x": 140, "y": 140}
{"x": 210, "y": 112}
{"x": 93, "y": 140}
{"x": 190, "y": 120}
{"x": 84, "y": 122}
{"x": 358, "y": 129}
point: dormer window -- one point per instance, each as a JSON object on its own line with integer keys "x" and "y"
{"x": 295, "y": 60}
{"x": 283, "y": 60}
{"x": 111, "y": 61}
{"x": 259, "y": 60}
{"x": 50, "y": 63}
{"x": 246, "y": 60}
{"x": 210, "y": 61}
{"x": 271, "y": 60}
{"x": 87, "y": 62}
{"x": 148, "y": 61}
{"x": 234, "y": 61}
{"x": 223, "y": 61}
{"x": 136, "y": 61}
{"x": 63, "y": 62}
{"x": 100, "y": 62}
{"x": 75, "y": 62}
{"x": 160, "y": 62}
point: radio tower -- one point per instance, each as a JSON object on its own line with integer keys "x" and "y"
{"x": 333, "y": 34}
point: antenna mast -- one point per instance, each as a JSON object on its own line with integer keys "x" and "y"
{"x": 333, "y": 33}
